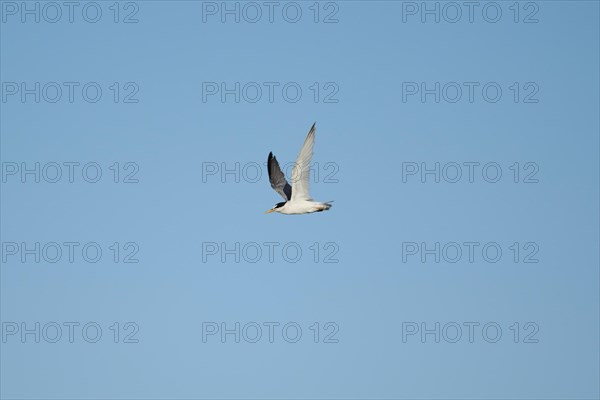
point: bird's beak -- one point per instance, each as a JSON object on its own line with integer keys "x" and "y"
{"x": 269, "y": 211}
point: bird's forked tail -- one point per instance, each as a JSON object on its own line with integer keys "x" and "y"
{"x": 326, "y": 205}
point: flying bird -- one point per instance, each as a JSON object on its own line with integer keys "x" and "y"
{"x": 297, "y": 197}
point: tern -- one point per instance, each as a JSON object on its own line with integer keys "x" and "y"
{"x": 297, "y": 197}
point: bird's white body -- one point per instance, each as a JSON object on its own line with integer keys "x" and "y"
{"x": 303, "y": 207}
{"x": 297, "y": 196}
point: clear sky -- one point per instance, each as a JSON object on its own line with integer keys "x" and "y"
{"x": 459, "y": 143}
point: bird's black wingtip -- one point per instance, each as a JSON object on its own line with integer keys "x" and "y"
{"x": 269, "y": 162}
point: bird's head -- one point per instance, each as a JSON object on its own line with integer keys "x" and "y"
{"x": 275, "y": 208}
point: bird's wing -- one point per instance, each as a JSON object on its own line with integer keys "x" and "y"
{"x": 301, "y": 171}
{"x": 277, "y": 178}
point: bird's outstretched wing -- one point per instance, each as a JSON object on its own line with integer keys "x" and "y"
{"x": 301, "y": 171}
{"x": 277, "y": 178}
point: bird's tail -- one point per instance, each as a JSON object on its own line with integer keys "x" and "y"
{"x": 327, "y": 205}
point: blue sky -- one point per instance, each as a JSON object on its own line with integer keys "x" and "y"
{"x": 471, "y": 140}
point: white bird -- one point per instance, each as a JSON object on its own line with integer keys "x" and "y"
{"x": 297, "y": 197}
